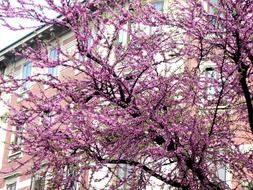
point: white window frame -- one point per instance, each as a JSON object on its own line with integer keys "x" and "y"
{"x": 14, "y": 154}
{"x": 34, "y": 180}
{"x": 47, "y": 175}
{"x": 11, "y": 179}
{"x": 26, "y": 85}
{"x": 12, "y": 185}
{"x": 210, "y": 72}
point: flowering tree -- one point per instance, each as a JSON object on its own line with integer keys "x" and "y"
{"x": 165, "y": 106}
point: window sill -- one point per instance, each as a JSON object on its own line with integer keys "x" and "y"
{"x": 11, "y": 175}
{"x": 219, "y": 108}
{"x": 14, "y": 155}
{"x": 46, "y": 86}
{"x": 80, "y": 70}
{"x": 77, "y": 72}
{"x": 23, "y": 94}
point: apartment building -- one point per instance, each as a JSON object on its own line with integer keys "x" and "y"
{"x": 13, "y": 176}
{"x": 18, "y": 67}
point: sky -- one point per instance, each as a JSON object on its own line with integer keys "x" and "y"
{"x": 7, "y": 36}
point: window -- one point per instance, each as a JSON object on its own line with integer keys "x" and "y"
{"x": 212, "y": 9}
{"x": 38, "y": 182}
{"x": 16, "y": 140}
{"x": 210, "y": 75}
{"x": 123, "y": 172}
{"x": 89, "y": 42}
{"x": 11, "y": 186}
{"x": 71, "y": 174}
{"x": 222, "y": 173}
{"x": 26, "y": 72}
{"x": 40, "y": 177}
{"x": 48, "y": 117}
{"x": 214, "y": 12}
{"x": 53, "y": 56}
{"x": 85, "y": 41}
{"x": 82, "y": 55}
{"x": 158, "y": 5}
{"x": 122, "y": 35}
{"x": 213, "y": 84}
{"x": 81, "y": 67}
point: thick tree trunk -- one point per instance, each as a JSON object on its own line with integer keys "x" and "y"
{"x": 247, "y": 95}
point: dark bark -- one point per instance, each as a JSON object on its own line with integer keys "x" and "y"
{"x": 247, "y": 95}
{"x": 243, "y": 70}
{"x": 204, "y": 181}
{"x": 171, "y": 182}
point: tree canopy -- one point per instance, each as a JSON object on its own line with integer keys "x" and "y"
{"x": 162, "y": 97}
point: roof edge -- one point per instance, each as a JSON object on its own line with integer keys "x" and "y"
{"x": 24, "y": 39}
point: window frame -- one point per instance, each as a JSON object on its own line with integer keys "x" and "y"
{"x": 222, "y": 173}
{"x": 35, "y": 179}
{"x": 123, "y": 172}
{"x": 158, "y": 2}
{"x": 123, "y": 34}
{"x": 11, "y": 186}
{"x": 152, "y": 29}
{"x": 210, "y": 73}
{"x": 53, "y": 71}
{"x": 26, "y": 72}
{"x": 68, "y": 171}
{"x": 15, "y": 141}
